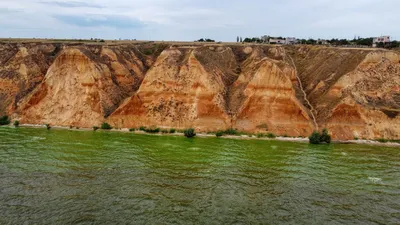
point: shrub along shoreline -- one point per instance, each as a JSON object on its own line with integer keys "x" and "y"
{"x": 226, "y": 135}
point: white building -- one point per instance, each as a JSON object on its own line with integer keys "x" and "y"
{"x": 383, "y": 39}
{"x": 277, "y": 41}
{"x": 290, "y": 41}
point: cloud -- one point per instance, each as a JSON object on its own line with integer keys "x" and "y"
{"x": 191, "y": 19}
{"x": 72, "y": 4}
{"x": 100, "y": 21}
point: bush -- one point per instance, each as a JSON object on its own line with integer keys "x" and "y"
{"x": 189, "y": 133}
{"x": 260, "y": 135}
{"x": 16, "y": 123}
{"x": 132, "y": 129}
{"x": 106, "y": 126}
{"x": 153, "y": 131}
{"x": 231, "y": 132}
{"x": 164, "y": 131}
{"x": 142, "y": 128}
{"x": 315, "y": 138}
{"x": 325, "y": 137}
{"x": 219, "y": 133}
{"x": 271, "y": 135}
{"x": 95, "y": 128}
{"x": 70, "y": 127}
{"x": 48, "y": 127}
{"x": 382, "y": 140}
{"x": 172, "y": 131}
{"x": 4, "y": 120}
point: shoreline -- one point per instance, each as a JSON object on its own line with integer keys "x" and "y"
{"x": 205, "y": 135}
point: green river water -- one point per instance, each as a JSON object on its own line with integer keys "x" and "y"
{"x": 85, "y": 177}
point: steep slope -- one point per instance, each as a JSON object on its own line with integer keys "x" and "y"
{"x": 182, "y": 89}
{"x": 368, "y": 99}
{"x": 253, "y": 88}
{"x": 264, "y": 98}
{"x": 22, "y": 68}
{"x": 355, "y": 92}
{"x": 83, "y": 86}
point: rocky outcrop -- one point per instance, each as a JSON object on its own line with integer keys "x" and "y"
{"x": 352, "y": 92}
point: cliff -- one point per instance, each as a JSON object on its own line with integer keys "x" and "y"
{"x": 290, "y": 90}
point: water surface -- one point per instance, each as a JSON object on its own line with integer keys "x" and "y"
{"x": 83, "y": 177}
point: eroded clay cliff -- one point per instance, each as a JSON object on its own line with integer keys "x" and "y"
{"x": 290, "y": 90}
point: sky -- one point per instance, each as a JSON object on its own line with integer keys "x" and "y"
{"x": 188, "y": 20}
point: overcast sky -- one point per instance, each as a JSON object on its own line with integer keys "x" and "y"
{"x": 188, "y": 20}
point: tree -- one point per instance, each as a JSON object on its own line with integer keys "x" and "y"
{"x": 303, "y": 41}
{"x": 380, "y": 45}
{"x": 241, "y": 39}
{"x": 237, "y": 39}
{"x": 364, "y": 41}
{"x": 311, "y": 41}
{"x": 395, "y": 44}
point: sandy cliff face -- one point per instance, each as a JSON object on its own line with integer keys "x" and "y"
{"x": 355, "y": 92}
{"x": 178, "y": 91}
{"x": 83, "y": 86}
{"x": 22, "y": 68}
{"x": 264, "y": 97}
{"x": 370, "y": 96}
{"x": 352, "y": 92}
